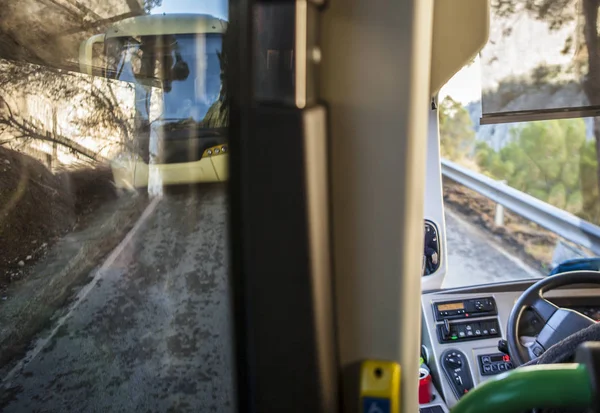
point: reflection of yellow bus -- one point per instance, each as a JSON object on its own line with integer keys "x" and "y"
{"x": 173, "y": 63}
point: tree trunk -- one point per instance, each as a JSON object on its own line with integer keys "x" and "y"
{"x": 591, "y": 84}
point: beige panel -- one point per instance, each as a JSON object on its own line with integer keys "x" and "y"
{"x": 317, "y": 197}
{"x": 376, "y": 80}
{"x": 434, "y": 200}
{"x": 460, "y": 30}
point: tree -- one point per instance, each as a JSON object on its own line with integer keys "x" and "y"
{"x": 589, "y": 183}
{"x": 549, "y": 160}
{"x": 557, "y": 13}
{"x": 150, "y": 4}
{"x": 457, "y": 135}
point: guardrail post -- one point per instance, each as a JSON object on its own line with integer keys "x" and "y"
{"x": 499, "y": 217}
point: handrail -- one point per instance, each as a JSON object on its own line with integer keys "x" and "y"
{"x": 561, "y": 222}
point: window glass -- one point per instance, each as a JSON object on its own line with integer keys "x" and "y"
{"x": 113, "y": 207}
{"x": 555, "y": 161}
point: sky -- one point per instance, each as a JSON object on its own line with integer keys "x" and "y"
{"x": 465, "y": 86}
{"x": 217, "y": 8}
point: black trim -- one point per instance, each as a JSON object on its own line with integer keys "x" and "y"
{"x": 279, "y": 347}
{"x": 237, "y": 44}
{"x": 539, "y": 114}
{"x": 279, "y": 321}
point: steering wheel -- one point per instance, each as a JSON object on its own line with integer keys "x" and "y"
{"x": 559, "y": 323}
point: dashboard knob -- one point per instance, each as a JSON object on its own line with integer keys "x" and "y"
{"x": 454, "y": 362}
{"x": 503, "y": 346}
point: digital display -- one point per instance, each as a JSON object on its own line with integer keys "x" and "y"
{"x": 451, "y": 306}
{"x": 497, "y": 358}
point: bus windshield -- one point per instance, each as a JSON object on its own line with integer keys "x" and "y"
{"x": 183, "y": 68}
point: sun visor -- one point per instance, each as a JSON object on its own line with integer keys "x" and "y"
{"x": 536, "y": 65}
{"x": 460, "y": 30}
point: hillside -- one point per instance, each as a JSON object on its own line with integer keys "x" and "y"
{"x": 533, "y": 60}
{"x": 37, "y": 208}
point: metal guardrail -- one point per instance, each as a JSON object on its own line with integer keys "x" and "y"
{"x": 566, "y": 225}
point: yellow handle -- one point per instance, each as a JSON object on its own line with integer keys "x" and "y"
{"x": 380, "y": 387}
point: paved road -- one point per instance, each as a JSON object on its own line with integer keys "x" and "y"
{"x": 153, "y": 335}
{"x": 152, "y": 332}
{"x": 475, "y": 257}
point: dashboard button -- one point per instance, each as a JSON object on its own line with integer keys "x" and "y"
{"x": 469, "y": 333}
{"x": 487, "y": 368}
{"x": 493, "y": 331}
{"x": 502, "y": 367}
{"x": 462, "y": 334}
{"x": 494, "y": 367}
{"x": 454, "y": 362}
{"x": 509, "y": 366}
{"x": 477, "y": 332}
{"x": 486, "y": 359}
{"x": 468, "y": 327}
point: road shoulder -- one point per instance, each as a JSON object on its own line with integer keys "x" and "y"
{"x": 31, "y": 304}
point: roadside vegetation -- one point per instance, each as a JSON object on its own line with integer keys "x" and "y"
{"x": 550, "y": 160}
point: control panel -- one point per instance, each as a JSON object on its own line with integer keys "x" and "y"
{"x": 449, "y": 332}
{"x": 476, "y": 307}
{"x": 490, "y": 364}
{"x": 456, "y": 368}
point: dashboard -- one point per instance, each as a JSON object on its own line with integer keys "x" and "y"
{"x": 461, "y": 329}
